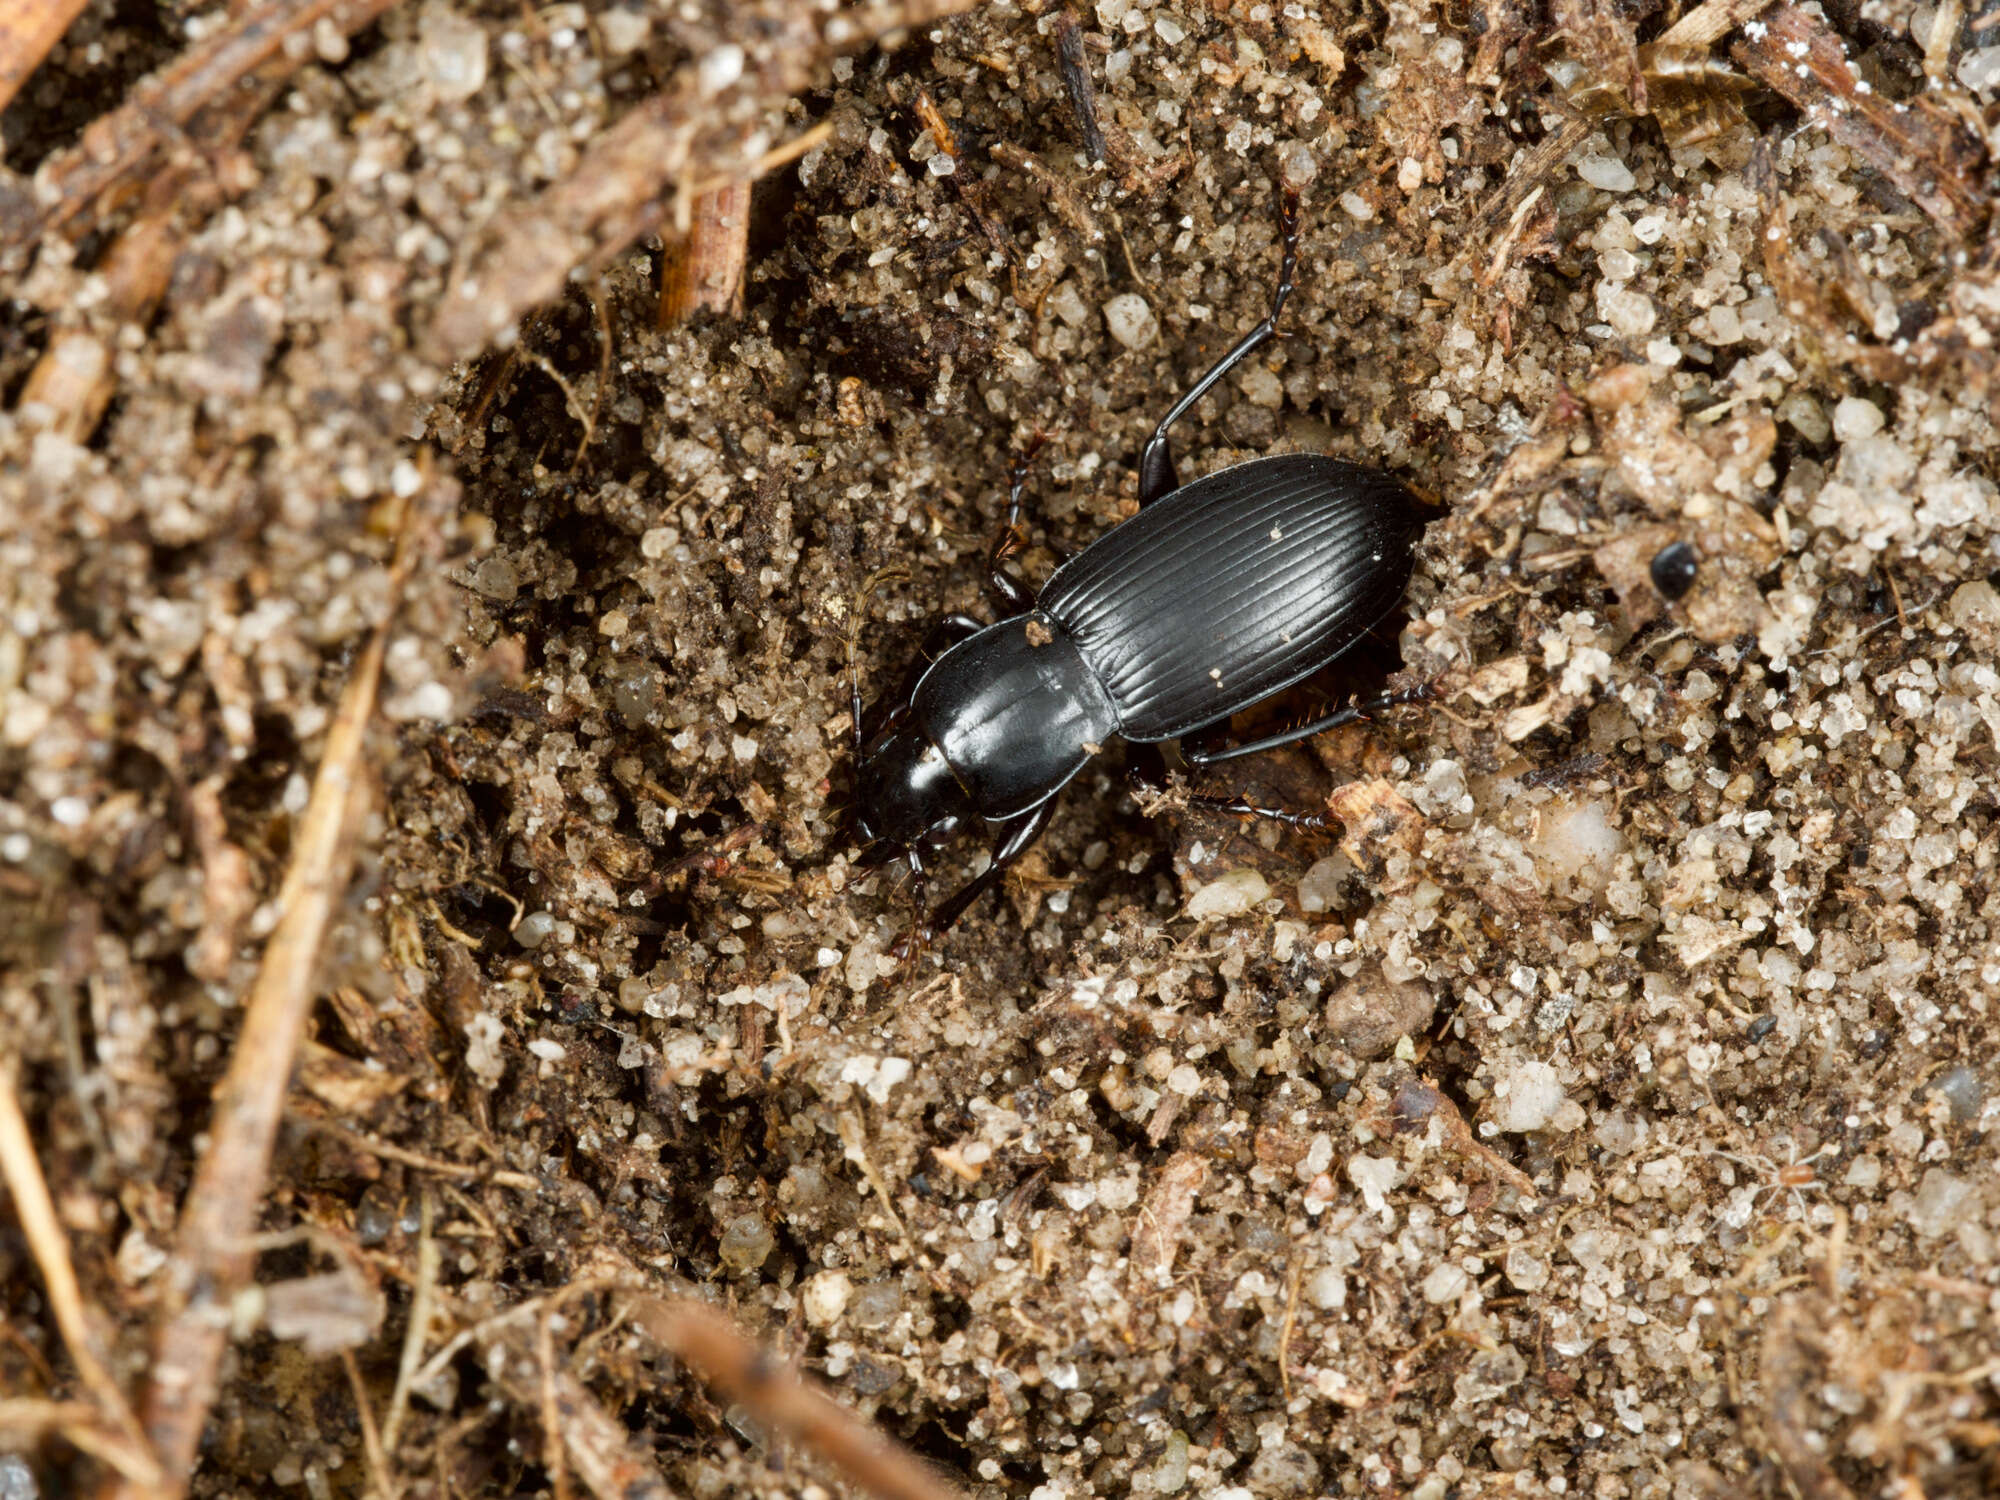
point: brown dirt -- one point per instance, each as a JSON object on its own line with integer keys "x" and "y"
{"x": 1612, "y": 1112}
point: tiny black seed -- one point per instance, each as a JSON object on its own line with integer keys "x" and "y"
{"x": 1674, "y": 569}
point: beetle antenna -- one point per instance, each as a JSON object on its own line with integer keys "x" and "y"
{"x": 855, "y": 611}
{"x": 854, "y": 690}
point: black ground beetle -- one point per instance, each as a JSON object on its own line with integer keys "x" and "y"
{"x": 1218, "y": 594}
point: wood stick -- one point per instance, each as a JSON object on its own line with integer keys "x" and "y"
{"x": 119, "y": 144}
{"x": 22, "y": 1172}
{"x": 28, "y": 29}
{"x": 710, "y": 1345}
{"x": 214, "y": 1257}
{"x": 623, "y": 187}
{"x": 703, "y": 270}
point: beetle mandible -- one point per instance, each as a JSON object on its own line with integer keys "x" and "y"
{"x": 1216, "y": 595}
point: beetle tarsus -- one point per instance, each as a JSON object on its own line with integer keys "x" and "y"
{"x": 1243, "y": 808}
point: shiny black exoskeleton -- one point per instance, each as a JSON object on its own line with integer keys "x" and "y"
{"x": 1216, "y": 595}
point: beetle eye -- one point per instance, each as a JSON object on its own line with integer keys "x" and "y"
{"x": 1675, "y": 567}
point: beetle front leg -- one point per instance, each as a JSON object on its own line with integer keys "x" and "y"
{"x": 1017, "y": 836}
{"x": 1156, "y": 460}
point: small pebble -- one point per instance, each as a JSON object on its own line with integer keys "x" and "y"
{"x": 1231, "y": 895}
{"x": 825, "y": 1297}
{"x": 17, "y": 1480}
{"x": 1298, "y": 166}
{"x": 1975, "y": 609}
{"x": 496, "y": 579}
{"x": 719, "y": 69}
{"x": 1856, "y": 417}
{"x": 1618, "y": 264}
{"x": 1445, "y": 1284}
{"x": 1961, "y": 1089}
{"x": 1805, "y": 416}
{"x": 454, "y": 54}
{"x": 1319, "y": 887}
{"x": 1607, "y": 174}
{"x": 1533, "y": 1095}
{"x": 746, "y": 1244}
{"x": 1131, "y": 321}
{"x": 1979, "y": 69}
{"x": 533, "y": 930}
{"x": 1941, "y": 1203}
{"x": 876, "y": 1304}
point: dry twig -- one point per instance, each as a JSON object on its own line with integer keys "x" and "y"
{"x": 710, "y": 1345}
{"x": 625, "y": 183}
{"x": 423, "y": 1301}
{"x": 593, "y": 1442}
{"x": 702, "y": 271}
{"x": 1708, "y": 23}
{"x": 214, "y": 1256}
{"x": 119, "y": 145}
{"x": 1076, "y": 83}
{"x": 1163, "y": 1220}
{"x": 36, "y": 1210}
{"x": 1929, "y": 155}
{"x": 28, "y": 29}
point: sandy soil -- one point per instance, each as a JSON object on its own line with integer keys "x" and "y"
{"x": 1610, "y": 1109}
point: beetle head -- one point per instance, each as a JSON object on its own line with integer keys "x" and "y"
{"x": 905, "y": 793}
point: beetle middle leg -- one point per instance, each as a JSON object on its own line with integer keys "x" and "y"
{"x": 1156, "y": 460}
{"x": 1012, "y": 597}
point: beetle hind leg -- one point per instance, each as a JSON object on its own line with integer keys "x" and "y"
{"x": 1157, "y": 476}
{"x": 1145, "y": 786}
{"x": 1367, "y": 708}
{"x": 1243, "y": 808}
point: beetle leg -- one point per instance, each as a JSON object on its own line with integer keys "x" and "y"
{"x": 1144, "y": 787}
{"x": 1018, "y": 834}
{"x": 1242, "y": 809}
{"x": 947, "y": 631}
{"x": 1156, "y": 459}
{"x": 1206, "y": 755}
{"x": 1013, "y": 598}
{"x": 918, "y": 938}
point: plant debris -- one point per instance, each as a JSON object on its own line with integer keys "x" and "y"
{"x": 457, "y": 465}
